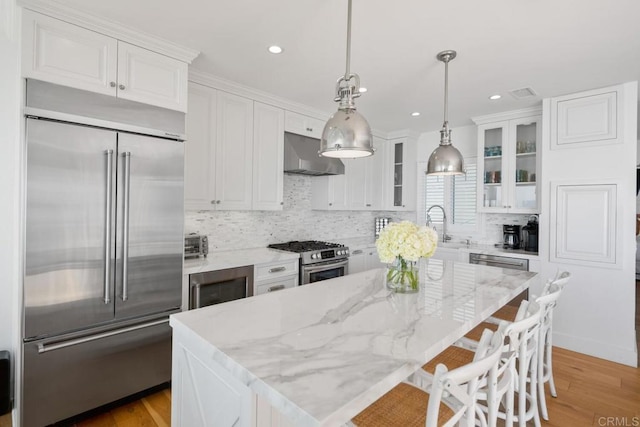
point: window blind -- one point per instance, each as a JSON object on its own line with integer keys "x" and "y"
{"x": 463, "y": 196}
{"x": 434, "y": 195}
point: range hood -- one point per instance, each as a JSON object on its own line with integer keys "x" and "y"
{"x": 301, "y": 157}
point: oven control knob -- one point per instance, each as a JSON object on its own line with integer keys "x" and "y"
{"x": 314, "y": 256}
{"x": 341, "y": 252}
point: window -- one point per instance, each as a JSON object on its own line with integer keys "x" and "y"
{"x": 456, "y": 194}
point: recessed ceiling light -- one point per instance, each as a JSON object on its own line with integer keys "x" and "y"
{"x": 363, "y": 89}
{"x": 494, "y": 97}
{"x": 415, "y": 114}
{"x": 275, "y": 49}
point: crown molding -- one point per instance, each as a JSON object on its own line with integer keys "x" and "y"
{"x": 206, "y": 79}
{"x": 404, "y": 133}
{"x": 110, "y": 28}
{"x": 508, "y": 115}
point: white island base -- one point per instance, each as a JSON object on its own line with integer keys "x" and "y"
{"x": 318, "y": 354}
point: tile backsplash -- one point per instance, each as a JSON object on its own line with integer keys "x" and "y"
{"x": 228, "y": 230}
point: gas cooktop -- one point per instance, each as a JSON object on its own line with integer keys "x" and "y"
{"x": 313, "y": 251}
{"x": 305, "y": 246}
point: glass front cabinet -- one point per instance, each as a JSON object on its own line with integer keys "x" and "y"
{"x": 509, "y": 164}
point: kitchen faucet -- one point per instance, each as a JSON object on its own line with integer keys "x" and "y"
{"x": 444, "y": 222}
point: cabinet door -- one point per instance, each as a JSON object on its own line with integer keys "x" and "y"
{"x": 65, "y": 54}
{"x": 276, "y": 285}
{"x": 374, "y": 176}
{"x": 356, "y": 179}
{"x": 268, "y": 157}
{"x": 234, "y": 152}
{"x": 148, "y": 77}
{"x": 303, "y": 125}
{"x": 357, "y": 261}
{"x": 373, "y": 260}
{"x": 492, "y": 167}
{"x": 524, "y": 164}
{"x": 400, "y": 176}
{"x": 200, "y": 165}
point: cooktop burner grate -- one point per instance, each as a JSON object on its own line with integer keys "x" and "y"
{"x": 305, "y": 246}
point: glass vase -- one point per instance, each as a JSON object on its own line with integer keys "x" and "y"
{"x": 402, "y": 276}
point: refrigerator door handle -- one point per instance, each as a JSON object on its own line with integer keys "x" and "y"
{"x": 125, "y": 224}
{"x": 43, "y": 348}
{"x": 107, "y": 227}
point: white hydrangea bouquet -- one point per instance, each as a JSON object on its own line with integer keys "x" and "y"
{"x": 401, "y": 244}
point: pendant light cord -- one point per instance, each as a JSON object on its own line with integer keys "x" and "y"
{"x": 347, "y": 71}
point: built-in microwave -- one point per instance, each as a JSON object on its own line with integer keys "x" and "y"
{"x": 218, "y": 286}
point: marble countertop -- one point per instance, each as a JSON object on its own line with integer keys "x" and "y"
{"x": 322, "y": 352}
{"x": 237, "y": 258}
{"x": 369, "y": 241}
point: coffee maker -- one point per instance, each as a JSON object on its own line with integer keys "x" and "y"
{"x": 530, "y": 234}
{"x": 511, "y": 236}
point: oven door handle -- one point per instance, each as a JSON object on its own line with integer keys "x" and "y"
{"x": 315, "y": 268}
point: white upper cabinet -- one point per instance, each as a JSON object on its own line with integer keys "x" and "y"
{"x": 364, "y": 180}
{"x": 509, "y": 163}
{"x": 329, "y": 192}
{"x": 384, "y": 181}
{"x": 218, "y": 150}
{"x": 400, "y": 175}
{"x": 234, "y": 152}
{"x": 151, "y": 78}
{"x": 303, "y": 125}
{"x": 69, "y": 55}
{"x": 268, "y": 157}
{"x": 200, "y": 146}
{"x": 66, "y": 54}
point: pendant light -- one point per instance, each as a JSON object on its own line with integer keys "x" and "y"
{"x": 347, "y": 133}
{"x": 446, "y": 159}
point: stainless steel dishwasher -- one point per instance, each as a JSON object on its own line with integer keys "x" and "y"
{"x": 499, "y": 261}
{"x": 503, "y": 262}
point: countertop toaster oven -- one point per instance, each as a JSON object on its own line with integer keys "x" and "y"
{"x": 195, "y": 245}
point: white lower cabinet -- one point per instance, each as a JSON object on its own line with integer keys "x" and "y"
{"x": 275, "y": 276}
{"x": 275, "y": 285}
{"x": 363, "y": 259}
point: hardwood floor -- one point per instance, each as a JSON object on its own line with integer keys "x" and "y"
{"x": 591, "y": 392}
{"x": 153, "y": 410}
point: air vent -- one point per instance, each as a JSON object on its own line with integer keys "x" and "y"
{"x": 525, "y": 92}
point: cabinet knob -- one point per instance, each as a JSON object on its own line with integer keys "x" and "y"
{"x": 121, "y": 87}
{"x": 281, "y": 203}
{"x": 330, "y": 204}
{"x": 368, "y": 205}
{"x": 213, "y": 202}
{"x": 217, "y": 202}
{"x": 310, "y": 129}
{"x": 112, "y": 84}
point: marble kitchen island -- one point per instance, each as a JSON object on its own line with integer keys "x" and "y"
{"x": 318, "y": 354}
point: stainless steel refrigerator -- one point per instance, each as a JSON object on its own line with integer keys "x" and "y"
{"x": 104, "y": 243}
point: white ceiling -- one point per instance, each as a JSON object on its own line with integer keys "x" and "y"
{"x": 553, "y": 46}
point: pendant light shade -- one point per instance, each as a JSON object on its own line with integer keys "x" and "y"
{"x": 347, "y": 133}
{"x": 446, "y": 159}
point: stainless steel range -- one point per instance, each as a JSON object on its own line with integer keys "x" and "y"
{"x": 318, "y": 260}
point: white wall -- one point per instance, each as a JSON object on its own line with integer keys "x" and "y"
{"x": 253, "y": 229}
{"x": 10, "y": 160}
